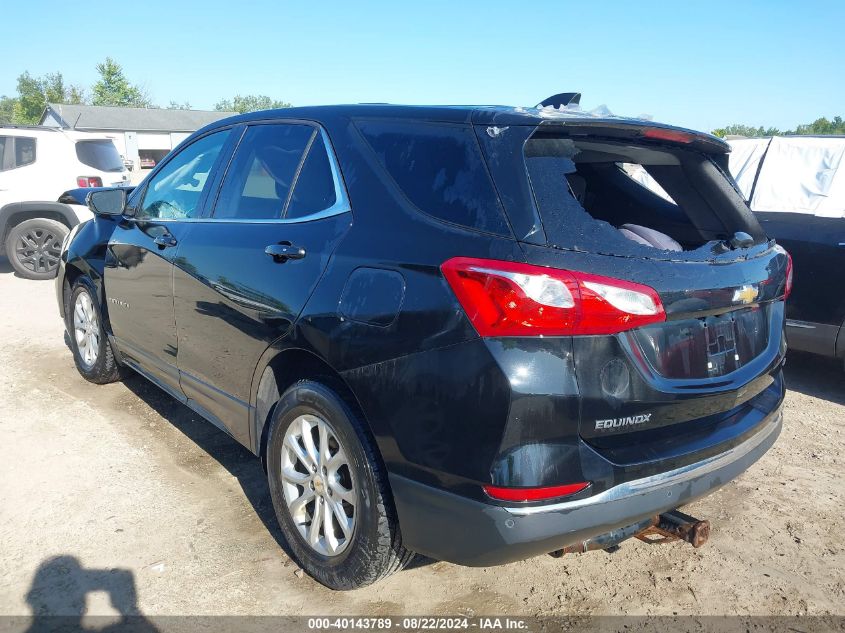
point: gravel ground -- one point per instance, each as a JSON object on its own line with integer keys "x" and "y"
{"x": 118, "y": 497}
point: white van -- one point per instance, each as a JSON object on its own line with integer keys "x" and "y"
{"x": 38, "y": 164}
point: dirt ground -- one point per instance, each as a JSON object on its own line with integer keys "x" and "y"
{"x": 118, "y": 495}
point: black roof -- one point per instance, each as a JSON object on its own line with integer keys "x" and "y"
{"x": 501, "y": 116}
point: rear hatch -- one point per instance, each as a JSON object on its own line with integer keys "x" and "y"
{"x": 653, "y": 205}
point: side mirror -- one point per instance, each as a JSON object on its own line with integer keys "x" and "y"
{"x": 107, "y": 201}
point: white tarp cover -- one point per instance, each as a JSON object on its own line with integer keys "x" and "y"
{"x": 744, "y": 160}
{"x": 802, "y": 175}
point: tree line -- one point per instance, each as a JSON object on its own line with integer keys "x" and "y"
{"x": 822, "y": 126}
{"x": 111, "y": 89}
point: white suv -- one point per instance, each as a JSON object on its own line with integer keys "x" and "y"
{"x": 37, "y": 165}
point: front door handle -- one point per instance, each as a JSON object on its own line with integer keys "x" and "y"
{"x": 165, "y": 241}
{"x": 283, "y": 252}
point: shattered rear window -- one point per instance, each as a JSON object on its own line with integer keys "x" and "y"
{"x": 620, "y": 198}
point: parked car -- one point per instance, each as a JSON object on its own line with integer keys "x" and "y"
{"x": 36, "y": 165}
{"x": 796, "y": 187}
{"x": 426, "y": 323}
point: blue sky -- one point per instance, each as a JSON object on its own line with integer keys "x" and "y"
{"x": 699, "y": 64}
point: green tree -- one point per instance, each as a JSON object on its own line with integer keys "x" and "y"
{"x": 7, "y": 109}
{"x": 249, "y": 103}
{"x": 738, "y": 129}
{"x": 114, "y": 89}
{"x": 823, "y": 126}
{"x": 34, "y": 93}
{"x": 178, "y": 106}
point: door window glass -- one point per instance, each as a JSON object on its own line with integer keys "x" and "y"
{"x": 262, "y": 172}
{"x": 175, "y": 192}
{"x": 24, "y": 151}
{"x": 314, "y": 190}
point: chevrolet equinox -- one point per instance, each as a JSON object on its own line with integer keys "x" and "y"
{"x": 466, "y": 332}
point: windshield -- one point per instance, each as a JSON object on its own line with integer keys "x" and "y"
{"x": 101, "y": 155}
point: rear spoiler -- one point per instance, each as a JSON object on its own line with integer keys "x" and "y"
{"x": 634, "y": 130}
{"x": 78, "y": 196}
{"x": 562, "y": 99}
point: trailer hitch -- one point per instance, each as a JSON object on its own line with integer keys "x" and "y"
{"x": 675, "y": 525}
{"x": 661, "y": 528}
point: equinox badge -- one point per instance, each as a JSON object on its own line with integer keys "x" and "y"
{"x": 613, "y": 423}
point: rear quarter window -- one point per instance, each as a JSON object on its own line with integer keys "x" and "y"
{"x": 101, "y": 155}
{"x": 440, "y": 169}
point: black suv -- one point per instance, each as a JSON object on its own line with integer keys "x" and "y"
{"x": 466, "y": 332}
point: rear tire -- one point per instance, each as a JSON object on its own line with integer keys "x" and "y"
{"x": 34, "y": 247}
{"x": 92, "y": 351}
{"x": 313, "y": 430}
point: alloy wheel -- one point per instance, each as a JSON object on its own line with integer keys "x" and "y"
{"x": 39, "y": 249}
{"x": 86, "y": 329}
{"x": 318, "y": 485}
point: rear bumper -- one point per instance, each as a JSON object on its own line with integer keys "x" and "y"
{"x": 448, "y": 527}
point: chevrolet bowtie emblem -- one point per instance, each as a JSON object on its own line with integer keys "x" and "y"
{"x": 746, "y": 294}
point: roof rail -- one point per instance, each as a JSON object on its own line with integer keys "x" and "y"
{"x": 20, "y": 126}
{"x": 561, "y": 99}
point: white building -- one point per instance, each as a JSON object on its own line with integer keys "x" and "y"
{"x": 142, "y": 135}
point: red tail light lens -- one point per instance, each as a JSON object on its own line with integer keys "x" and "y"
{"x": 89, "y": 181}
{"x": 788, "y": 288}
{"x": 534, "y": 494}
{"x": 512, "y": 299}
{"x": 673, "y": 136}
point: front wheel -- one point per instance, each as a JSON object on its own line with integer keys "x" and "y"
{"x": 92, "y": 350}
{"x": 34, "y": 247}
{"x": 330, "y": 491}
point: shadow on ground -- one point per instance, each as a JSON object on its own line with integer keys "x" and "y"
{"x": 816, "y": 376}
{"x": 57, "y": 596}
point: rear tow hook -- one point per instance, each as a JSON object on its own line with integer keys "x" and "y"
{"x": 675, "y": 525}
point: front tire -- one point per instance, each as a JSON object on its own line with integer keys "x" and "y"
{"x": 34, "y": 247}
{"x": 92, "y": 351}
{"x": 330, "y": 490}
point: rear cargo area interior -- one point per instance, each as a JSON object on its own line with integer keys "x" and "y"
{"x": 651, "y": 197}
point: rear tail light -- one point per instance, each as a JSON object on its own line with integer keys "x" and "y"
{"x": 89, "y": 181}
{"x": 534, "y": 494}
{"x": 512, "y": 299}
{"x": 788, "y": 288}
{"x": 673, "y": 136}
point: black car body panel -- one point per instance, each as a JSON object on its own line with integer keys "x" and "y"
{"x": 197, "y": 305}
{"x": 815, "y": 311}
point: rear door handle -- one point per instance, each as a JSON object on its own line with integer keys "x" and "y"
{"x": 284, "y": 252}
{"x": 165, "y": 241}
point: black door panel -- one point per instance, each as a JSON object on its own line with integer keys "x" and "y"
{"x": 139, "y": 287}
{"x": 243, "y": 276}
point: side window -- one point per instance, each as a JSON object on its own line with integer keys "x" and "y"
{"x": 440, "y": 169}
{"x": 175, "y": 192}
{"x": 24, "y": 151}
{"x": 7, "y": 155}
{"x": 262, "y": 172}
{"x": 16, "y": 151}
{"x": 314, "y": 190}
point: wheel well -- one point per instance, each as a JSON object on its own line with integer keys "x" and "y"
{"x": 282, "y": 372}
{"x": 20, "y": 216}
{"x": 72, "y": 273}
